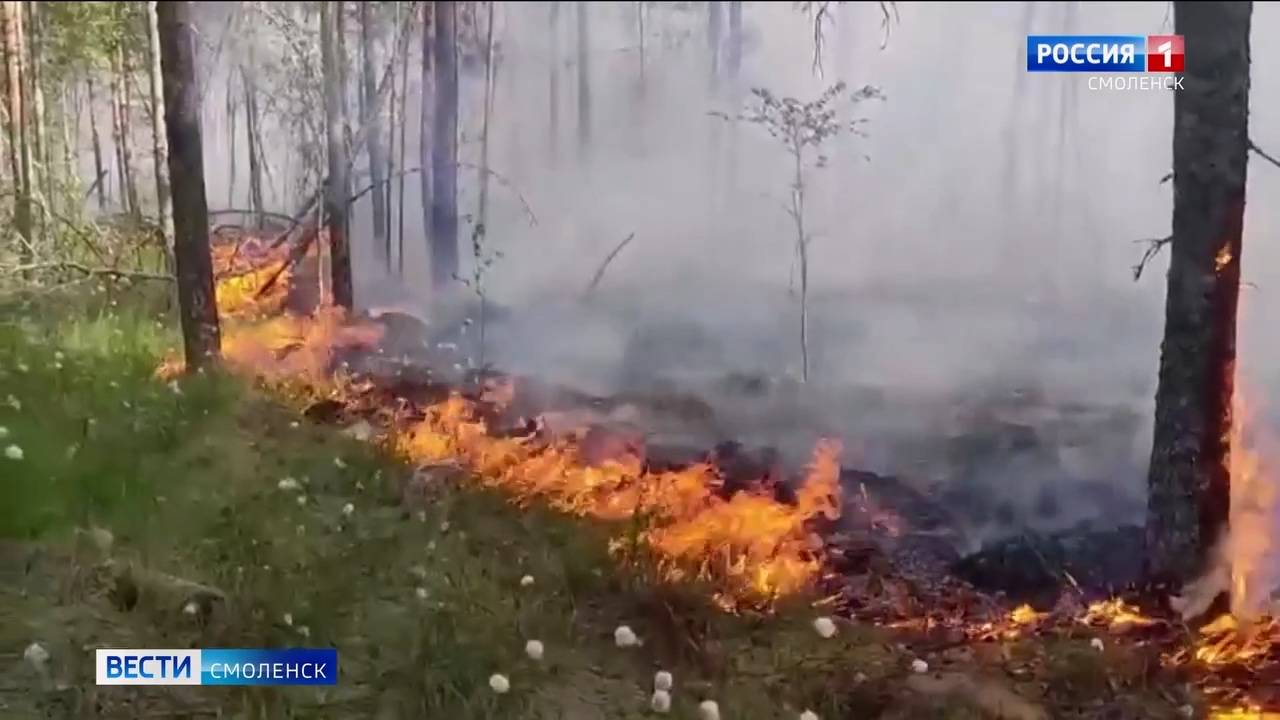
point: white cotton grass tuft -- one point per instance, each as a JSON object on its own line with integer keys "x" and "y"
{"x": 288, "y": 484}
{"x": 919, "y": 666}
{"x": 288, "y": 619}
{"x": 190, "y": 608}
{"x": 533, "y": 649}
{"x": 36, "y": 655}
{"x": 304, "y": 631}
{"x": 625, "y": 637}
{"x": 825, "y": 627}
{"x": 4, "y": 432}
{"x": 13, "y": 452}
{"x": 348, "y": 509}
{"x": 302, "y": 500}
{"x": 421, "y": 592}
{"x": 339, "y": 463}
{"x": 1096, "y": 644}
{"x": 809, "y": 715}
{"x": 499, "y": 683}
{"x": 526, "y": 581}
{"x": 662, "y": 680}
{"x": 660, "y": 702}
{"x": 709, "y": 710}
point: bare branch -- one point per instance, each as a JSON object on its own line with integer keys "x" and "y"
{"x": 1153, "y": 249}
{"x": 595, "y": 280}
{"x": 1265, "y": 156}
{"x": 68, "y": 265}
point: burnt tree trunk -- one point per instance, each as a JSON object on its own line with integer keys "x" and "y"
{"x": 196, "y": 300}
{"x": 1189, "y": 481}
{"x": 336, "y": 192}
{"x": 372, "y": 120}
{"x": 444, "y": 155}
{"x": 252, "y": 131}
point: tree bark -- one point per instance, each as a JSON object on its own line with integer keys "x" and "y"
{"x": 252, "y": 130}
{"x": 19, "y": 157}
{"x": 734, "y": 59}
{"x": 400, "y": 164}
{"x": 100, "y": 173}
{"x": 1189, "y": 481}
{"x": 40, "y": 180}
{"x": 584, "y": 79}
{"x": 338, "y": 190}
{"x": 372, "y": 118}
{"x": 444, "y": 156}
{"x": 196, "y": 299}
{"x": 715, "y": 25}
{"x": 160, "y": 145}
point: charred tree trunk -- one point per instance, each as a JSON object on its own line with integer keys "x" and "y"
{"x": 160, "y": 145}
{"x": 584, "y": 79}
{"x": 1189, "y": 482}
{"x": 100, "y": 173}
{"x": 372, "y": 120}
{"x": 19, "y": 158}
{"x": 553, "y": 77}
{"x": 196, "y": 301}
{"x": 337, "y": 190}
{"x": 444, "y": 155}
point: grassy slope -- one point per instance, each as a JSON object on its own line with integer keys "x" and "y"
{"x": 186, "y": 482}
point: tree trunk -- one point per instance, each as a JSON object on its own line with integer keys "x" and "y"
{"x": 100, "y": 173}
{"x": 400, "y": 164}
{"x": 160, "y": 146}
{"x": 553, "y": 77}
{"x": 120, "y": 100}
{"x": 1189, "y": 482}
{"x": 19, "y": 159}
{"x": 372, "y": 119}
{"x": 40, "y": 180}
{"x": 337, "y": 191}
{"x": 444, "y": 155}
{"x": 252, "y": 128}
{"x": 126, "y": 133}
{"x": 196, "y": 302}
{"x": 426, "y": 124}
{"x": 584, "y": 79}
{"x": 715, "y": 24}
{"x": 735, "y": 41}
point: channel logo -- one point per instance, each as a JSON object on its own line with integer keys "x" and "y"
{"x": 1106, "y": 53}
{"x": 221, "y": 666}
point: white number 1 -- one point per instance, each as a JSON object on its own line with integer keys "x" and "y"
{"x": 1166, "y": 47}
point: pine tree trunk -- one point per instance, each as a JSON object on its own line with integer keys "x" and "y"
{"x": 400, "y": 163}
{"x": 196, "y": 299}
{"x": 444, "y": 155}
{"x": 1189, "y": 482}
{"x": 715, "y": 25}
{"x": 371, "y": 117}
{"x": 584, "y": 79}
{"x": 19, "y": 157}
{"x": 160, "y": 143}
{"x": 126, "y": 133}
{"x": 734, "y": 59}
{"x": 337, "y": 189}
{"x": 99, "y": 173}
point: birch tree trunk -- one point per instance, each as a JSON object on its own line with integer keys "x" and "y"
{"x": 1189, "y": 482}
{"x": 337, "y": 190}
{"x": 160, "y": 143}
{"x": 196, "y": 299}
{"x": 39, "y": 181}
{"x": 16, "y": 130}
{"x": 444, "y": 156}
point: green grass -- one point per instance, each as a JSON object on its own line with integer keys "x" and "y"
{"x": 423, "y": 602}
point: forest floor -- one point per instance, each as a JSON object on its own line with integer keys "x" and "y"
{"x": 205, "y": 514}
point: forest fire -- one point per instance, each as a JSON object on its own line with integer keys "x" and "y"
{"x": 753, "y": 547}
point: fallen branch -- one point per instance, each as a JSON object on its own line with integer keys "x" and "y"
{"x": 296, "y": 254}
{"x": 1153, "y": 248}
{"x": 68, "y": 265}
{"x": 595, "y": 280}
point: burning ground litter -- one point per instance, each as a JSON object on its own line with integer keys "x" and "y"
{"x": 754, "y": 545}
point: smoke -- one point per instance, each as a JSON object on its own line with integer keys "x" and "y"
{"x": 975, "y": 326}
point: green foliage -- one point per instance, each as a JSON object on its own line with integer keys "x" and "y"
{"x": 81, "y": 36}
{"x": 803, "y": 126}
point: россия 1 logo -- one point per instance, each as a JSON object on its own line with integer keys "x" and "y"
{"x": 1110, "y": 54}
